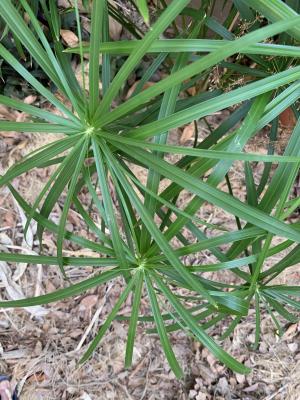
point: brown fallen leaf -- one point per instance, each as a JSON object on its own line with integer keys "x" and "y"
{"x": 192, "y": 91}
{"x": 30, "y": 99}
{"x": 89, "y": 302}
{"x": 9, "y": 218}
{"x": 6, "y": 113}
{"x": 290, "y": 332}
{"x": 21, "y": 117}
{"x": 115, "y": 29}
{"x": 69, "y": 37}
{"x": 9, "y": 135}
{"x": 39, "y": 377}
{"x": 133, "y": 87}
{"x": 188, "y": 133}
{"x": 287, "y": 118}
{"x": 240, "y": 378}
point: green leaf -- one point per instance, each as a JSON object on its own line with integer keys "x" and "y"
{"x": 165, "y": 342}
{"x": 108, "y": 204}
{"x": 167, "y": 108}
{"x": 65, "y": 175}
{"x": 36, "y": 112}
{"x": 217, "y": 197}
{"x": 210, "y": 243}
{"x": 109, "y": 320}
{"x": 81, "y": 241}
{"x": 55, "y": 18}
{"x": 200, "y": 334}
{"x": 155, "y": 232}
{"x": 211, "y": 154}
{"x": 8, "y": 126}
{"x": 276, "y": 10}
{"x": 10, "y": 59}
{"x": 84, "y": 145}
{"x": 94, "y": 71}
{"x": 280, "y": 309}
{"x": 136, "y": 301}
{"x": 225, "y": 265}
{"x": 63, "y": 293}
{"x": 195, "y": 68}
{"x": 191, "y": 46}
{"x": 216, "y": 104}
{"x": 49, "y": 260}
{"x": 45, "y": 58}
{"x": 278, "y": 184}
{"x": 161, "y": 24}
{"x": 143, "y": 8}
{"x": 35, "y": 160}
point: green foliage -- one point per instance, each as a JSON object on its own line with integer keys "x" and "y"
{"x": 143, "y": 8}
{"x": 105, "y": 135}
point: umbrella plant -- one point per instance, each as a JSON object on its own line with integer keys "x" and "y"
{"x": 143, "y": 234}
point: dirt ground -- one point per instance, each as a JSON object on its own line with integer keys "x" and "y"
{"x": 40, "y": 346}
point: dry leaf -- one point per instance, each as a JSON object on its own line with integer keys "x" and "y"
{"x": 115, "y": 29}
{"x": 63, "y": 3}
{"x": 76, "y": 333}
{"x": 133, "y": 87}
{"x": 30, "y": 99}
{"x": 88, "y": 302}
{"x": 69, "y": 37}
{"x": 68, "y": 3}
{"x": 287, "y": 118}
{"x": 21, "y": 117}
{"x": 9, "y": 135}
{"x": 192, "y": 91}
{"x": 290, "y": 332}
{"x": 240, "y": 378}
{"x": 79, "y": 77}
{"x": 15, "y": 292}
{"x": 9, "y": 219}
{"x": 188, "y": 133}
{"x": 6, "y": 113}
{"x": 39, "y": 376}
